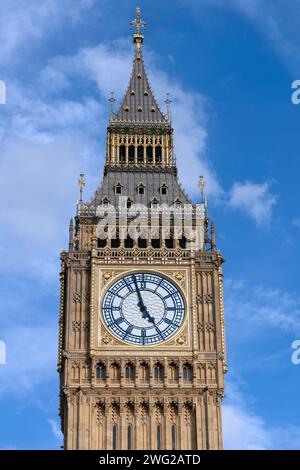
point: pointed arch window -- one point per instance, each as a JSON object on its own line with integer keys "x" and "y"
{"x": 158, "y": 372}
{"x": 101, "y": 371}
{"x": 129, "y": 372}
{"x": 158, "y": 437}
{"x": 187, "y": 373}
{"x": 140, "y": 154}
{"x": 158, "y": 154}
{"x": 129, "y": 437}
{"x": 149, "y": 154}
{"x": 131, "y": 153}
{"x": 114, "y": 437}
{"x": 173, "y": 437}
{"x": 122, "y": 154}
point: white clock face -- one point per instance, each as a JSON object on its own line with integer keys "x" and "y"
{"x": 143, "y": 308}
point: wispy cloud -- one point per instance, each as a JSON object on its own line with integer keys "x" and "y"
{"x": 257, "y": 306}
{"x": 56, "y": 431}
{"x": 22, "y": 22}
{"x": 245, "y": 429}
{"x": 256, "y": 200}
{"x": 31, "y": 358}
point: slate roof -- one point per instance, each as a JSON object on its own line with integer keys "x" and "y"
{"x": 139, "y": 104}
{"x": 130, "y": 181}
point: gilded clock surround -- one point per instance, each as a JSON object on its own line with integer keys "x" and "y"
{"x": 115, "y": 395}
{"x": 114, "y": 275}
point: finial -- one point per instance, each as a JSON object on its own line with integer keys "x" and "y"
{"x": 139, "y": 25}
{"x": 112, "y": 100}
{"x": 168, "y": 102}
{"x": 81, "y": 184}
{"x": 201, "y": 185}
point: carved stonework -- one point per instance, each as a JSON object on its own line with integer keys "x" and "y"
{"x": 80, "y": 326}
{"x": 141, "y": 363}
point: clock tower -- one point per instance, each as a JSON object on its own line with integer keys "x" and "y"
{"x": 141, "y": 328}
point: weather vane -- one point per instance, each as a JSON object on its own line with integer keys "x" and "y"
{"x": 137, "y": 22}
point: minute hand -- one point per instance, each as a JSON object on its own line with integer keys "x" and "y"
{"x": 141, "y": 304}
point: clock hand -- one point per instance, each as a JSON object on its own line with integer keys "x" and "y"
{"x": 141, "y": 304}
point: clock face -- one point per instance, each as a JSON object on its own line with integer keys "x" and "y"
{"x": 143, "y": 309}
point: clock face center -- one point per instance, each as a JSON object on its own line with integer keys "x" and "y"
{"x": 132, "y": 312}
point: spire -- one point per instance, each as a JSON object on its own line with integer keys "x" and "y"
{"x": 139, "y": 104}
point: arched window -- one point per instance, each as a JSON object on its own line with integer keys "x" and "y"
{"x": 129, "y": 437}
{"x": 149, "y": 153}
{"x": 173, "y": 372}
{"x": 187, "y": 373}
{"x": 131, "y": 153}
{"x": 129, "y": 372}
{"x": 158, "y": 154}
{"x": 158, "y": 372}
{"x": 140, "y": 154}
{"x": 158, "y": 437}
{"x": 115, "y": 372}
{"x": 173, "y": 437}
{"x": 122, "y": 154}
{"x": 100, "y": 371}
{"x": 114, "y": 437}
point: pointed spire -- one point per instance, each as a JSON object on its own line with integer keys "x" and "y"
{"x": 139, "y": 104}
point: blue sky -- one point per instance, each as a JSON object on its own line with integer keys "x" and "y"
{"x": 228, "y": 65}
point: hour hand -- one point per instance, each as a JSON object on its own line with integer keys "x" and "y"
{"x": 145, "y": 313}
{"x": 141, "y": 304}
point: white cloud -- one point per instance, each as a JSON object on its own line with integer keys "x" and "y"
{"x": 254, "y": 307}
{"x": 38, "y": 183}
{"x": 55, "y": 428}
{"x": 31, "y": 358}
{"x": 256, "y": 200}
{"x": 24, "y": 21}
{"x": 244, "y": 429}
